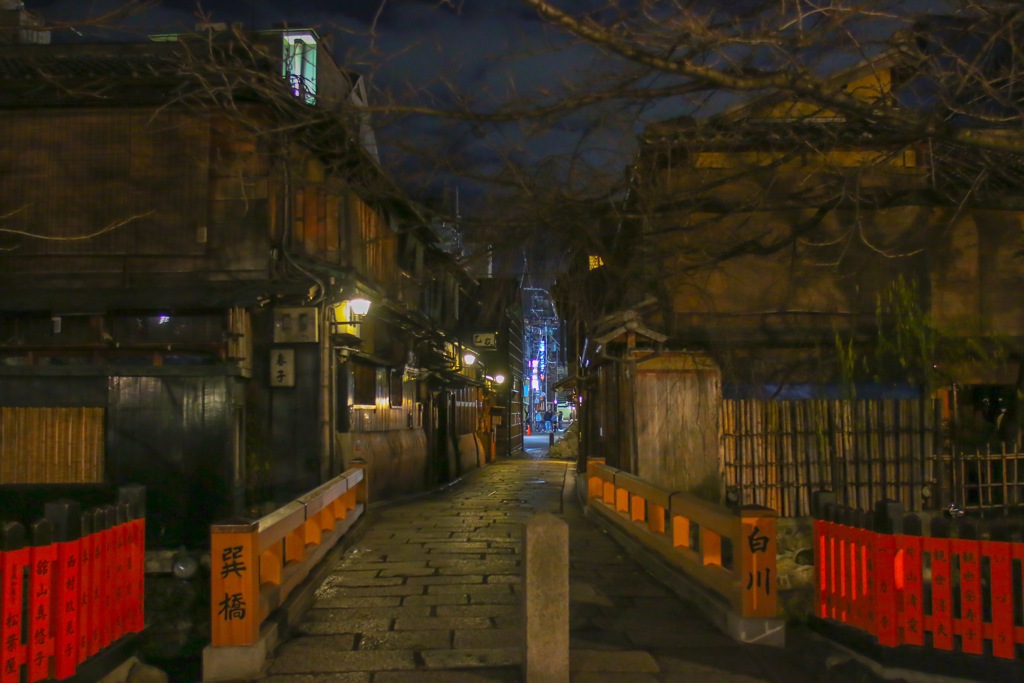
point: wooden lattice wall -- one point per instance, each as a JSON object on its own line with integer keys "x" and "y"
{"x": 776, "y": 453}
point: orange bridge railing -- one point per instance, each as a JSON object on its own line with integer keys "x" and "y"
{"x": 256, "y": 564}
{"x": 731, "y": 552}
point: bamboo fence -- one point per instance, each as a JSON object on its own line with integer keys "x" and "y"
{"x": 775, "y": 453}
{"x": 988, "y": 479}
{"x": 51, "y": 445}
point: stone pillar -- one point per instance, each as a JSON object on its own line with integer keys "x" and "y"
{"x": 545, "y": 600}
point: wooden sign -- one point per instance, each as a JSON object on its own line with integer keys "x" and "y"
{"x": 282, "y": 367}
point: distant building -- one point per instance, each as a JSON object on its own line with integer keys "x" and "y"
{"x": 19, "y": 26}
{"x": 544, "y": 354}
{"x": 498, "y": 335}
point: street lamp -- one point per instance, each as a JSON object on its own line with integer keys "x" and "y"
{"x": 348, "y": 315}
{"x": 359, "y": 307}
{"x": 468, "y": 358}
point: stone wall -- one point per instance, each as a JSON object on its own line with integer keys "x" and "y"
{"x": 796, "y": 566}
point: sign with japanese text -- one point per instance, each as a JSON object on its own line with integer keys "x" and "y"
{"x": 65, "y": 621}
{"x": 758, "y": 562}
{"x": 85, "y": 625}
{"x": 40, "y": 639}
{"x": 235, "y": 608}
{"x": 942, "y": 592}
{"x": 485, "y": 340}
{"x": 12, "y": 563}
{"x": 96, "y": 583}
{"x": 883, "y": 585}
{"x": 282, "y": 367}
{"x": 1000, "y": 555}
{"x": 910, "y": 584}
{"x": 971, "y": 627}
{"x": 108, "y": 588}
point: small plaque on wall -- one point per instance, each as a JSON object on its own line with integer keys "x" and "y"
{"x": 282, "y": 367}
{"x": 295, "y": 325}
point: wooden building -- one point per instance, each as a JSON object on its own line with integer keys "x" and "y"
{"x": 497, "y": 334}
{"x": 190, "y": 232}
{"x": 776, "y": 246}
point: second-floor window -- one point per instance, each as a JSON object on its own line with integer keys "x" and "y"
{"x": 298, "y": 64}
{"x": 364, "y": 384}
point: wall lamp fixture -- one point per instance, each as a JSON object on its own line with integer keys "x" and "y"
{"x": 348, "y": 315}
{"x": 359, "y": 307}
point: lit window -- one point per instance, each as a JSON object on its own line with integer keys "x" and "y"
{"x": 595, "y": 261}
{"x": 298, "y": 64}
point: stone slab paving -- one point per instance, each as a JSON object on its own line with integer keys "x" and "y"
{"x": 430, "y": 594}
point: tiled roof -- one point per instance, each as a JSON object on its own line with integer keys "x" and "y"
{"x": 26, "y": 65}
{"x": 76, "y": 74}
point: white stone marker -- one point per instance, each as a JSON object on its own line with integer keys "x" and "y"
{"x": 545, "y": 600}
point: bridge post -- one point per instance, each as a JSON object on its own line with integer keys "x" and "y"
{"x": 545, "y": 600}
{"x": 251, "y": 593}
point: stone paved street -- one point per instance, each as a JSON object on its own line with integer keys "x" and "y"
{"x": 429, "y": 594}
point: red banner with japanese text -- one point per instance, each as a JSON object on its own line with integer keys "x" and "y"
{"x": 67, "y": 593}
{"x": 42, "y": 565}
{"x": 12, "y": 605}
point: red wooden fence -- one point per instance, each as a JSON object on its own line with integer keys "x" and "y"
{"x": 70, "y": 587}
{"x": 949, "y": 590}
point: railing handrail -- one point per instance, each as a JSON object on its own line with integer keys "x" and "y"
{"x": 324, "y": 495}
{"x": 650, "y": 492}
{"x": 719, "y": 518}
{"x": 748, "y": 582}
{"x": 278, "y": 524}
{"x": 257, "y": 563}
